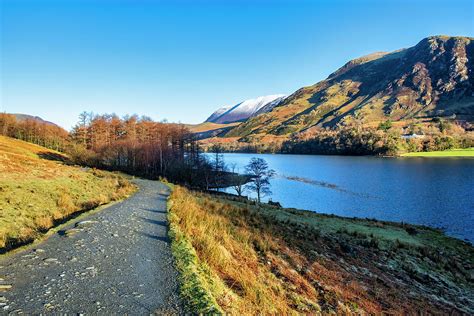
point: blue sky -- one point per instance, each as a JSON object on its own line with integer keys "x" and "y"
{"x": 181, "y": 60}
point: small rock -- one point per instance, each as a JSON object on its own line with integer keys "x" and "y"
{"x": 48, "y": 306}
{"x": 85, "y": 223}
{"x": 5, "y": 287}
{"x": 72, "y": 231}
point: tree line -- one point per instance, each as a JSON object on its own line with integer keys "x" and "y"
{"x": 136, "y": 145}
{"x": 358, "y": 139}
{"x": 383, "y": 140}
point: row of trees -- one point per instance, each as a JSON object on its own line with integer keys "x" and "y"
{"x": 34, "y": 131}
{"x": 137, "y": 145}
{"x": 343, "y": 141}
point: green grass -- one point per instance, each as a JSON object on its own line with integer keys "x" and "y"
{"x": 468, "y": 152}
{"x": 194, "y": 276}
{"x": 37, "y": 193}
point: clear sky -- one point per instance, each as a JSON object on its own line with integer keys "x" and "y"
{"x": 181, "y": 60}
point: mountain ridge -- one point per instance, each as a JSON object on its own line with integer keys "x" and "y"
{"x": 433, "y": 78}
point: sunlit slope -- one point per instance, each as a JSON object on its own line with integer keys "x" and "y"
{"x": 38, "y": 189}
{"x": 433, "y": 78}
{"x": 246, "y": 259}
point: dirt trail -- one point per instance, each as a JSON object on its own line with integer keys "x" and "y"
{"x": 117, "y": 261}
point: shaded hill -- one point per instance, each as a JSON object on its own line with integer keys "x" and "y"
{"x": 433, "y": 78}
{"x": 25, "y": 117}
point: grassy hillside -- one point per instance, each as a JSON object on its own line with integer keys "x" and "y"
{"x": 38, "y": 190}
{"x": 210, "y": 129}
{"x": 407, "y": 85}
{"x": 209, "y": 126}
{"x": 240, "y": 258}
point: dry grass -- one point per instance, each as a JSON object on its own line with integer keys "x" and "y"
{"x": 36, "y": 193}
{"x": 209, "y": 126}
{"x": 248, "y": 259}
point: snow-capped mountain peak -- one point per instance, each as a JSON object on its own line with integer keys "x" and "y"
{"x": 245, "y": 109}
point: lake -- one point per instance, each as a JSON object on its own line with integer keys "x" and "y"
{"x": 437, "y": 192}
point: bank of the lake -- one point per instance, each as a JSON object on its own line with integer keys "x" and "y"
{"x": 432, "y": 192}
{"x": 467, "y": 152}
{"x": 238, "y": 257}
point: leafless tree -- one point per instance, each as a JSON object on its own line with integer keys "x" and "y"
{"x": 261, "y": 174}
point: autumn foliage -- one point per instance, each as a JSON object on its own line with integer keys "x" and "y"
{"x": 33, "y": 131}
{"x": 137, "y": 145}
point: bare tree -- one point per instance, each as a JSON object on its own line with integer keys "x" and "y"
{"x": 218, "y": 165}
{"x": 258, "y": 169}
{"x": 238, "y": 181}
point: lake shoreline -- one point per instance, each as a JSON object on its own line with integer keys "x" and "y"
{"x": 452, "y": 153}
{"x": 429, "y": 192}
{"x": 277, "y": 205}
{"x": 318, "y": 262}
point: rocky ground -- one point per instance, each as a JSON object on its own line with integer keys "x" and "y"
{"x": 117, "y": 261}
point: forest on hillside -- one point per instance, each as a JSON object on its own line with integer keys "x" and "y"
{"x": 385, "y": 139}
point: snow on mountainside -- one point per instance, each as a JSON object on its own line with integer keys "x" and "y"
{"x": 246, "y": 109}
{"x": 270, "y": 105}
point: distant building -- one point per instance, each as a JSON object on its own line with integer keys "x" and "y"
{"x": 411, "y": 136}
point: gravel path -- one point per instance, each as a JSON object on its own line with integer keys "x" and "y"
{"x": 117, "y": 261}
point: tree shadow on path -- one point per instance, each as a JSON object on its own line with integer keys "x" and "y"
{"x": 154, "y": 221}
{"x": 160, "y": 238}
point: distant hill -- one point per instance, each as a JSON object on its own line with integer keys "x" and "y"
{"x": 24, "y": 117}
{"x": 433, "y": 78}
{"x": 242, "y": 111}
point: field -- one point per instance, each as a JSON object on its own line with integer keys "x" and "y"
{"x": 209, "y": 126}
{"x": 468, "y": 152}
{"x": 39, "y": 190}
{"x": 241, "y": 258}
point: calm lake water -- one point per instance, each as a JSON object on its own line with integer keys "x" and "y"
{"x": 437, "y": 192}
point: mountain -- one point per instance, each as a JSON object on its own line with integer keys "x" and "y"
{"x": 433, "y": 78}
{"x": 24, "y": 117}
{"x": 244, "y": 110}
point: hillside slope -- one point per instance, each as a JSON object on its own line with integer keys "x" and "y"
{"x": 245, "y": 259}
{"x": 38, "y": 190}
{"x": 433, "y": 78}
